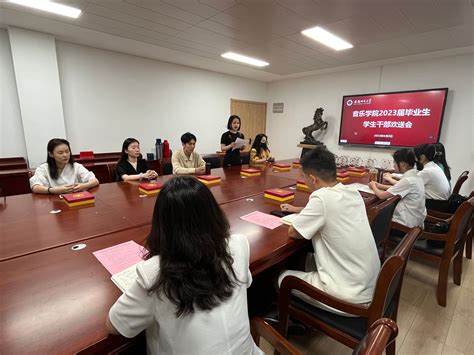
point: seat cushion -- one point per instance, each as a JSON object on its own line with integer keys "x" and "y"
{"x": 354, "y": 326}
{"x": 421, "y": 245}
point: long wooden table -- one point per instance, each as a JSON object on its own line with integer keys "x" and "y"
{"x": 55, "y": 300}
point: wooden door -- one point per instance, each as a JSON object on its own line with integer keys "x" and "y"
{"x": 253, "y": 116}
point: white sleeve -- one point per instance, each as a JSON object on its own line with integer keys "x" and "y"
{"x": 247, "y": 258}
{"x": 311, "y": 219}
{"x": 83, "y": 175}
{"x": 402, "y": 188}
{"x": 425, "y": 176}
{"x": 133, "y": 311}
{"x": 40, "y": 177}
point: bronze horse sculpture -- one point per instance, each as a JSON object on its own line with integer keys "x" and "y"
{"x": 318, "y": 123}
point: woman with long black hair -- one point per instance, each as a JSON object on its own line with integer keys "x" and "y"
{"x": 191, "y": 291}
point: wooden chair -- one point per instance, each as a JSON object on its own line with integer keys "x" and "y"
{"x": 381, "y": 333}
{"x": 166, "y": 167}
{"x": 100, "y": 171}
{"x": 112, "y": 168}
{"x": 454, "y": 240}
{"x": 380, "y": 217}
{"x": 461, "y": 179}
{"x": 447, "y": 217}
{"x": 259, "y": 328}
{"x": 213, "y": 159}
{"x": 348, "y": 330}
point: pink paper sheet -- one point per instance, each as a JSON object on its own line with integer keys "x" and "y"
{"x": 120, "y": 256}
{"x": 262, "y": 219}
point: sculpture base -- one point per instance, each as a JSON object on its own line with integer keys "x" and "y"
{"x": 307, "y": 147}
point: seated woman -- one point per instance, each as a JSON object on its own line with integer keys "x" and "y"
{"x": 260, "y": 154}
{"x": 60, "y": 174}
{"x": 131, "y": 166}
{"x": 436, "y": 183}
{"x": 191, "y": 291}
{"x": 410, "y": 211}
{"x": 440, "y": 160}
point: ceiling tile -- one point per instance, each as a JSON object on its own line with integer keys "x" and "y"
{"x": 201, "y": 35}
{"x": 221, "y": 5}
{"x": 241, "y": 34}
{"x": 428, "y": 41}
{"x": 129, "y": 19}
{"x": 193, "y": 6}
{"x": 116, "y": 27}
{"x": 168, "y": 10}
{"x": 143, "y": 13}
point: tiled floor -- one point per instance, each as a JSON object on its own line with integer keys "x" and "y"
{"x": 424, "y": 327}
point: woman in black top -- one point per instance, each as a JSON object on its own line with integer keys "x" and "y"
{"x": 131, "y": 166}
{"x": 232, "y": 156}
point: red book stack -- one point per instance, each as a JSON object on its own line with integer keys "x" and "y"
{"x": 296, "y": 164}
{"x": 250, "y": 172}
{"x": 279, "y": 195}
{"x": 356, "y": 172}
{"x": 209, "y": 179}
{"x": 281, "y": 167}
{"x": 78, "y": 199}
{"x": 301, "y": 185}
{"x": 150, "y": 188}
{"x": 342, "y": 177}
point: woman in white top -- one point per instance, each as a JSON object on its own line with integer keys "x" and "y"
{"x": 60, "y": 174}
{"x": 191, "y": 291}
{"x": 410, "y": 211}
{"x": 436, "y": 183}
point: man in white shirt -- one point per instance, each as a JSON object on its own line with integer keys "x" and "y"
{"x": 186, "y": 160}
{"x": 410, "y": 211}
{"x": 345, "y": 262}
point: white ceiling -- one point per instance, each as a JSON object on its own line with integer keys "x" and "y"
{"x": 197, "y": 32}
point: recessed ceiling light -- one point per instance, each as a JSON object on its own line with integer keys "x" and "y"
{"x": 327, "y": 38}
{"x": 54, "y": 7}
{"x": 245, "y": 59}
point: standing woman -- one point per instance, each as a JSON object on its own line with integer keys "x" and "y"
{"x": 60, "y": 174}
{"x": 440, "y": 159}
{"x": 260, "y": 154}
{"x": 190, "y": 294}
{"x": 232, "y": 156}
{"x": 131, "y": 166}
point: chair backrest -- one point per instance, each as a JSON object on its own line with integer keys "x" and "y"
{"x": 155, "y": 165}
{"x": 458, "y": 228}
{"x": 100, "y": 171}
{"x": 167, "y": 167}
{"x": 245, "y": 157}
{"x": 112, "y": 167}
{"x": 389, "y": 281}
{"x": 380, "y": 217}
{"x": 213, "y": 159}
{"x": 463, "y": 177}
{"x": 380, "y": 334}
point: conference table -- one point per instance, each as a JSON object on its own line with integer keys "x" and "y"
{"x": 55, "y": 299}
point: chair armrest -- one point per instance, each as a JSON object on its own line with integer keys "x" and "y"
{"x": 260, "y": 328}
{"x": 400, "y": 227}
{"x": 381, "y": 333}
{"x": 433, "y": 219}
{"x": 291, "y": 283}
{"x": 437, "y": 214}
{"x": 432, "y": 236}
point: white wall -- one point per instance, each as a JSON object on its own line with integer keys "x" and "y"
{"x": 109, "y": 96}
{"x": 39, "y": 94}
{"x": 12, "y": 140}
{"x": 302, "y": 96}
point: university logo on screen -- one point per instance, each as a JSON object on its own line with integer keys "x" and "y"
{"x": 351, "y": 102}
